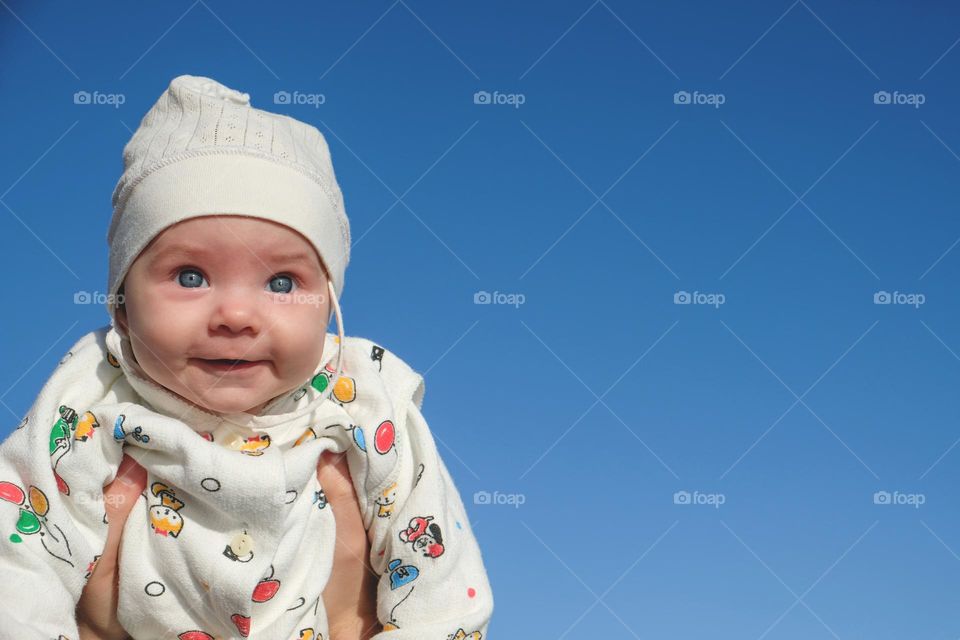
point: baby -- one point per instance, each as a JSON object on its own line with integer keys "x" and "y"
{"x": 228, "y": 247}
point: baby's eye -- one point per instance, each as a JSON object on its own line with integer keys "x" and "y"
{"x": 191, "y": 278}
{"x": 280, "y": 284}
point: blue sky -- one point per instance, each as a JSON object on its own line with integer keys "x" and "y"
{"x": 774, "y": 459}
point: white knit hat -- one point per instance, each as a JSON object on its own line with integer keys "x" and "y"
{"x": 203, "y": 150}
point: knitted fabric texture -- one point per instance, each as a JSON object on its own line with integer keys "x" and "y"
{"x": 202, "y": 149}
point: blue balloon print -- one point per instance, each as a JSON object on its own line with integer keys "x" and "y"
{"x": 359, "y": 438}
{"x": 400, "y": 576}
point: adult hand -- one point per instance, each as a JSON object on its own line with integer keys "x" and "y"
{"x": 350, "y": 594}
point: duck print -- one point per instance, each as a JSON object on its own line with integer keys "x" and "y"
{"x": 165, "y": 518}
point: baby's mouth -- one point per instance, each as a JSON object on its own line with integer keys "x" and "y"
{"x": 227, "y": 365}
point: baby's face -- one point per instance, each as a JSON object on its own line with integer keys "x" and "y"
{"x": 227, "y": 311}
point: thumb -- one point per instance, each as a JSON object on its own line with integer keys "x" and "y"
{"x": 119, "y": 497}
{"x": 97, "y": 608}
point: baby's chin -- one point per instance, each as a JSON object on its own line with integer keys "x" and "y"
{"x": 228, "y": 405}
{"x": 225, "y": 403}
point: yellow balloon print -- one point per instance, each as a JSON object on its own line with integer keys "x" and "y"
{"x": 345, "y": 390}
{"x": 38, "y": 500}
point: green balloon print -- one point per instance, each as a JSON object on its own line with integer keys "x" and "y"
{"x": 28, "y": 522}
{"x": 320, "y": 382}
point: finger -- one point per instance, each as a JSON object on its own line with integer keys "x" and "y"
{"x": 333, "y": 473}
{"x": 119, "y": 497}
{"x": 97, "y": 607}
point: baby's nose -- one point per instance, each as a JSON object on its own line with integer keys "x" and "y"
{"x": 237, "y": 312}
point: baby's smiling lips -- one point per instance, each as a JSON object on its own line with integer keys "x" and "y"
{"x": 228, "y": 365}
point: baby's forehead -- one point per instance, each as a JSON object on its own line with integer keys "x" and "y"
{"x": 226, "y": 238}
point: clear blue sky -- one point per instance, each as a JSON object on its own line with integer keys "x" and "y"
{"x": 781, "y": 189}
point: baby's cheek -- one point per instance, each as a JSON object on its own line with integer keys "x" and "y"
{"x": 300, "y": 349}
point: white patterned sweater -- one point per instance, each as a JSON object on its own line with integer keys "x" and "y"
{"x": 233, "y": 537}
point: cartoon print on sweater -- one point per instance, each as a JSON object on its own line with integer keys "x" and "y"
{"x": 61, "y": 441}
{"x": 425, "y": 536}
{"x": 344, "y": 391}
{"x": 240, "y": 548}
{"x": 255, "y": 445}
{"x": 401, "y": 574}
{"x": 460, "y": 634}
{"x": 91, "y": 566}
{"x": 33, "y": 520}
{"x": 393, "y": 625}
{"x": 61, "y": 433}
{"x": 86, "y": 425}
{"x": 266, "y": 588}
{"x": 67, "y": 429}
{"x": 419, "y": 475}
{"x": 165, "y": 518}
{"x": 385, "y": 437}
{"x": 357, "y": 432}
{"x": 112, "y": 360}
{"x": 309, "y": 634}
{"x": 195, "y": 635}
{"x": 242, "y": 623}
{"x": 120, "y": 431}
{"x": 385, "y": 501}
{"x": 376, "y": 355}
{"x": 320, "y": 498}
{"x": 307, "y": 435}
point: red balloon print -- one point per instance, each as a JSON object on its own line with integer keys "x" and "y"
{"x": 243, "y": 624}
{"x": 265, "y": 590}
{"x": 11, "y": 493}
{"x": 385, "y": 437}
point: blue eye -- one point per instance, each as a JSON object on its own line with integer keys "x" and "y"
{"x": 191, "y": 278}
{"x": 280, "y": 284}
